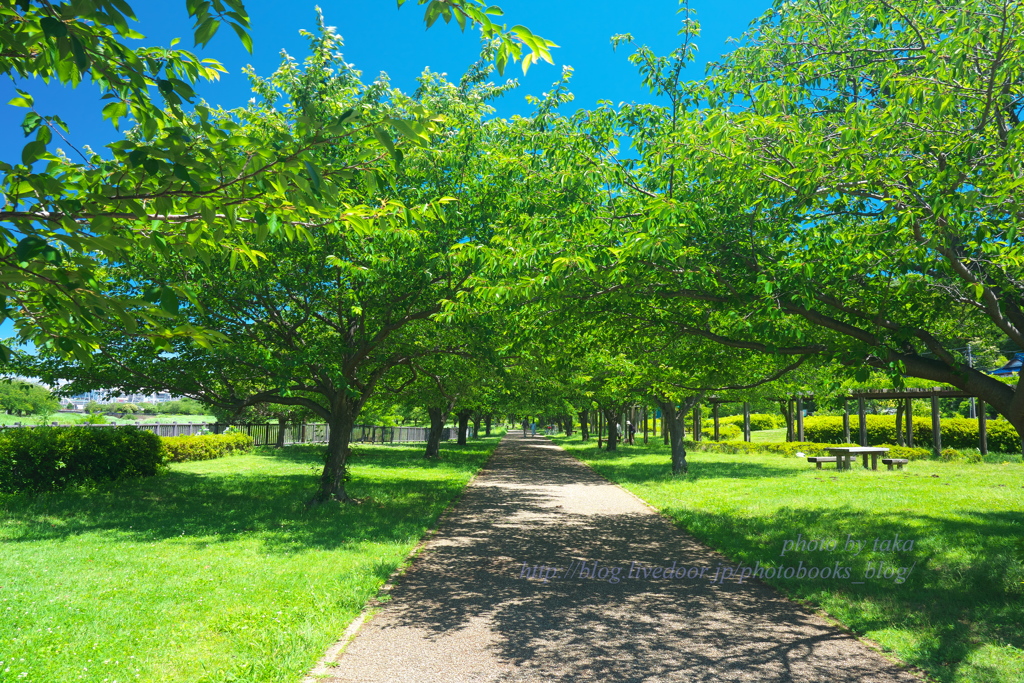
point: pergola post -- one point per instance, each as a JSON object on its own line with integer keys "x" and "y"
{"x": 910, "y": 422}
{"x": 862, "y": 417}
{"x": 982, "y": 428}
{"x": 936, "y": 426}
{"x": 799, "y": 418}
{"x": 846, "y": 421}
{"x": 789, "y": 420}
{"x": 746, "y": 421}
{"x": 714, "y": 413}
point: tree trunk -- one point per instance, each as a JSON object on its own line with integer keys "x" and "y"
{"x": 335, "y": 474}
{"x": 613, "y": 435}
{"x": 788, "y": 416}
{"x": 281, "y": 423}
{"x": 674, "y": 425}
{"x": 437, "y": 416}
{"x": 899, "y": 423}
{"x": 487, "y": 426}
{"x": 477, "y": 419}
{"x": 584, "y": 426}
{"x": 463, "y": 425}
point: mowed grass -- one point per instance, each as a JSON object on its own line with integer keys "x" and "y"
{"x": 957, "y": 615}
{"x": 769, "y": 436}
{"x": 213, "y": 572}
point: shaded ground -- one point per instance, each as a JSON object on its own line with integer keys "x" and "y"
{"x": 475, "y": 606}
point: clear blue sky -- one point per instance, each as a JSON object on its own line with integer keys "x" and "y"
{"x": 380, "y": 37}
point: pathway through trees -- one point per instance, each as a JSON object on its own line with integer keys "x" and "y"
{"x": 473, "y": 608}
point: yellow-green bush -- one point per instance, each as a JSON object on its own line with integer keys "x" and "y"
{"x": 957, "y": 432}
{"x": 204, "y": 446}
{"x": 725, "y": 432}
{"x": 758, "y": 421}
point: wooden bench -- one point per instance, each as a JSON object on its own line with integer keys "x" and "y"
{"x": 820, "y": 459}
{"x": 899, "y": 462}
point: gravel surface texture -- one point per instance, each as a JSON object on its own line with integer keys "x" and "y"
{"x": 508, "y": 590}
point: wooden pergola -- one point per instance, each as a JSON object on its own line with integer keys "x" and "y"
{"x": 933, "y": 393}
{"x": 795, "y": 405}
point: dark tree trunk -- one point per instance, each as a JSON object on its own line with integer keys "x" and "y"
{"x": 332, "y": 481}
{"x": 613, "y": 435}
{"x": 584, "y": 426}
{"x": 463, "y": 425}
{"x": 487, "y": 426}
{"x": 899, "y": 423}
{"x": 674, "y": 427}
{"x": 788, "y": 416}
{"x": 437, "y": 417}
{"x": 281, "y": 423}
{"x": 477, "y": 419}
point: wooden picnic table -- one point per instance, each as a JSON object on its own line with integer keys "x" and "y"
{"x": 845, "y": 454}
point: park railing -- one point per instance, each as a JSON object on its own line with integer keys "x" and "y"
{"x": 266, "y": 434}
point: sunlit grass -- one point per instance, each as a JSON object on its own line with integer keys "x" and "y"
{"x": 213, "y": 572}
{"x": 958, "y": 613}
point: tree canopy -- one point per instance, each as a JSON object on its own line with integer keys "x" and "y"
{"x": 838, "y": 196}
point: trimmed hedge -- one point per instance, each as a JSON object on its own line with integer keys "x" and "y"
{"x": 204, "y": 446}
{"x": 725, "y": 432}
{"x": 957, "y": 432}
{"x": 53, "y": 458}
{"x": 789, "y": 449}
{"x": 758, "y": 422}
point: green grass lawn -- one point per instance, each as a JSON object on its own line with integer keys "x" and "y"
{"x": 213, "y": 572}
{"x": 768, "y": 436}
{"x": 959, "y": 612}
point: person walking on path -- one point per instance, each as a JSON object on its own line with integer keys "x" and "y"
{"x": 533, "y": 428}
{"x": 547, "y": 572}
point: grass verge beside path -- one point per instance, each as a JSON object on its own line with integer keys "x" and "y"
{"x": 957, "y": 614}
{"x": 213, "y": 572}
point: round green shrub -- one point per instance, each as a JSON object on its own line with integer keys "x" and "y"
{"x": 53, "y": 458}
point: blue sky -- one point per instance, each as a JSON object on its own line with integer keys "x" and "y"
{"x": 380, "y": 37}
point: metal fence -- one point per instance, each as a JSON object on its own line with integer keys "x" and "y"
{"x": 267, "y": 434}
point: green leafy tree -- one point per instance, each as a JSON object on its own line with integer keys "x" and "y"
{"x": 843, "y": 185}
{"x": 19, "y": 397}
{"x": 323, "y": 320}
{"x": 187, "y": 177}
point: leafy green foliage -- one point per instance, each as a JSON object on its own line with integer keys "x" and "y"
{"x": 204, "y": 446}
{"x": 53, "y": 458}
{"x": 758, "y": 422}
{"x": 514, "y": 44}
{"x": 25, "y": 398}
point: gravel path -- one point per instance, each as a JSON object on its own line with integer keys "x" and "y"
{"x": 473, "y": 608}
